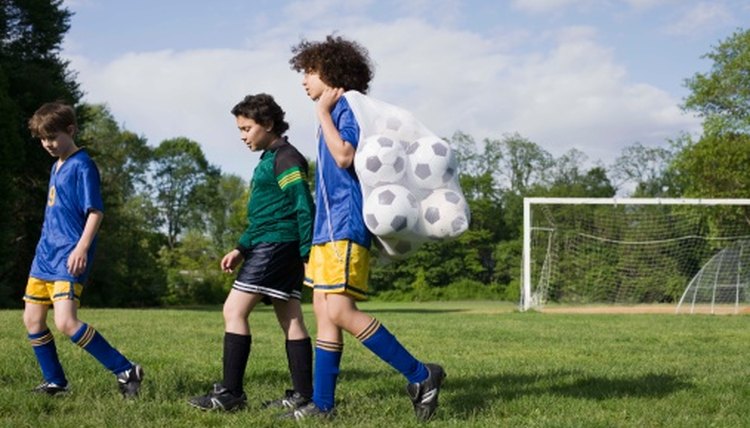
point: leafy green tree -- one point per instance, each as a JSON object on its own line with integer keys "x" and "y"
{"x": 183, "y": 181}
{"x": 722, "y": 96}
{"x": 31, "y": 73}
{"x": 227, "y": 213}
{"x": 645, "y": 168}
{"x": 128, "y": 232}
{"x": 717, "y": 164}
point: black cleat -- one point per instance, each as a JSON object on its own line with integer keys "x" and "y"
{"x": 424, "y": 395}
{"x": 291, "y": 400}
{"x": 309, "y": 411}
{"x": 50, "y": 388}
{"x": 219, "y": 399}
{"x": 130, "y": 380}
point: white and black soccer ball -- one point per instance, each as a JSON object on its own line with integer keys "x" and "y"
{"x": 391, "y": 209}
{"x": 396, "y": 127}
{"x": 432, "y": 163}
{"x": 444, "y": 214}
{"x": 398, "y": 247}
{"x": 380, "y": 160}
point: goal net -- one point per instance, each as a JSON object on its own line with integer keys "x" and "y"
{"x": 690, "y": 253}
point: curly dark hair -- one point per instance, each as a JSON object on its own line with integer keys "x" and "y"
{"x": 262, "y": 108}
{"x": 340, "y": 63}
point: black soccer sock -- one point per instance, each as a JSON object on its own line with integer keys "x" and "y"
{"x": 236, "y": 354}
{"x": 299, "y": 356}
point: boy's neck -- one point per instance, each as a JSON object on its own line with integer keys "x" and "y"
{"x": 68, "y": 153}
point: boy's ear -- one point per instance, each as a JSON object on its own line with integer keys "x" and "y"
{"x": 268, "y": 126}
{"x": 71, "y": 130}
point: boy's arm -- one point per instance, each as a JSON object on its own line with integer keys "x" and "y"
{"x": 78, "y": 258}
{"x": 341, "y": 150}
{"x": 299, "y": 195}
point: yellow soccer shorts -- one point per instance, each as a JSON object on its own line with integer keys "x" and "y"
{"x": 47, "y": 292}
{"x": 339, "y": 267}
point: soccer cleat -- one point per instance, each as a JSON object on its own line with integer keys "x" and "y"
{"x": 50, "y": 388}
{"x": 291, "y": 400}
{"x": 130, "y": 380}
{"x": 309, "y": 411}
{"x": 424, "y": 395}
{"x": 219, "y": 399}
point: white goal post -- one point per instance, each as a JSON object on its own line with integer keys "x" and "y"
{"x": 638, "y": 239}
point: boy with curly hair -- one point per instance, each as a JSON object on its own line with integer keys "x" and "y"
{"x": 272, "y": 252}
{"x": 339, "y": 259}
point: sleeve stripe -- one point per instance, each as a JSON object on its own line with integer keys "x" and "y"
{"x": 289, "y": 177}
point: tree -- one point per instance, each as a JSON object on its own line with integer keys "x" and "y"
{"x": 183, "y": 179}
{"x": 722, "y": 96}
{"x": 31, "y": 73}
{"x": 523, "y": 163}
{"x": 228, "y": 212}
{"x": 128, "y": 231}
{"x": 646, "y": 168}
{"x": 716, "y": 165}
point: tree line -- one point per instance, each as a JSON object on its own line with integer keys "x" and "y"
{"x": 170, "y": 214}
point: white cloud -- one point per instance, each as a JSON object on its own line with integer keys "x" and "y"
{"x": 701, "y": 17}
{"x": 574, "y": 94}
{"x": 546, "y": 6}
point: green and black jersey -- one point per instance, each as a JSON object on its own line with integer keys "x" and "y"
{"x": 280, "y": 207}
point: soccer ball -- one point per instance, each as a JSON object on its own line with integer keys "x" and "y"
{"x": 397, "y": 247}
{"x": 444, "y": 214}
{"x": 380, "y": 160}
{"x": 397, "y": 128}
{"x": 390, "y": 209}
{"x": 432, "y": 163}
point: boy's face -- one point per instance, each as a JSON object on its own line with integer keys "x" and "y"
{"x": 61, "y": 144}
{"x": 313, "y": 84}
{"x": 255, "y": 136}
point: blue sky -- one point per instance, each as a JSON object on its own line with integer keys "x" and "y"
{"x": 592, "y": 75}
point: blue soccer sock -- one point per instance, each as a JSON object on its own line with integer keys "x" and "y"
{"x": 95, "y": 344}
{"x": 46, "y": 354}
{"x": 327, "y": 362}
{"x": 385, "y": 345}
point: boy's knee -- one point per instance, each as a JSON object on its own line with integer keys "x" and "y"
{"x": 34, "y": 323}
{"x": 67, "y": 325}
{"x": 233, "y": 314}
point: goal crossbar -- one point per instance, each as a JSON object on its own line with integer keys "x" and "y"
{"x": 526, "y": 296}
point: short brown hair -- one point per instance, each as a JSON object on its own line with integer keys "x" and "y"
{"x": 51, "y": 118}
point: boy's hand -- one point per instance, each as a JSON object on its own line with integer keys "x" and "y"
{"x": 77, "y": 261}
{"x": 328, "y": 99}
{"x": 230, "y": 260}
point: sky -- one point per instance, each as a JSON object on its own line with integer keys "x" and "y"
{"x": 591, "y": 75}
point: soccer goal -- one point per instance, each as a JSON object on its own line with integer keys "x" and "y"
{"x": 688, "y": 253}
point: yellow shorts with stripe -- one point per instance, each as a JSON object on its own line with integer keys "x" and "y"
{"x": 46, "y": 292}
{"x": 339, "y": 267}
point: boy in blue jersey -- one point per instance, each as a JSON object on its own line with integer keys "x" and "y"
{"x": 273, "y": 250}
{"x": 339, "y": 258}
{"x": 63, "y": 256}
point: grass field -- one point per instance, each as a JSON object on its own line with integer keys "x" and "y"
{"x": 504, "y": 369}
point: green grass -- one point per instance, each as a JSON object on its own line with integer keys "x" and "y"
{"x": 504, "y": 369}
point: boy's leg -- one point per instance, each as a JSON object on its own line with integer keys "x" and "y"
{"x": 237, "y": 338}
{"x": 129, "y": 375}
{"x": 43, "y": 343}
{"x": 329, "y": 347}
{"x": 424, "y": 380}
{"x": 86, "y": 337}
{"x": 298, "y": 351}
{"x": 229, "y": 394}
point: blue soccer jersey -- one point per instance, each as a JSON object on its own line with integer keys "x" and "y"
{"x": 74, "y": 190}
{"x": 338, "y": 197}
